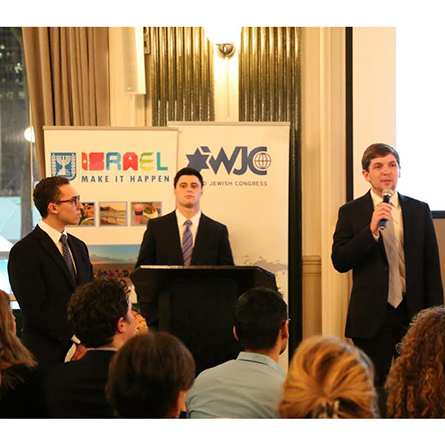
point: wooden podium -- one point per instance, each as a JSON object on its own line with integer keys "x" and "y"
{"x": 196, "y": 304}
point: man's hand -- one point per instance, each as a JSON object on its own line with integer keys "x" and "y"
{"x": 382, "y": 211}
{"x": 81, "y": 350}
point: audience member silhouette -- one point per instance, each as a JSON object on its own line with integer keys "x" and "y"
{"x": 416, "y": 382}
{"x": 100, "y": 313}
{"x": 150, "y": 376}
{"x": 21, "y": 388}
{"x": 329, "y": 378}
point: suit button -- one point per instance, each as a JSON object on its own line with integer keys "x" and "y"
{"x": 386, "y": 268}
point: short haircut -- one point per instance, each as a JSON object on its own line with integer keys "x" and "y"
{"x": 259, "y": 315}
{"x": 147, "y": 374}
{"x": 329, "y": 378}
{"x": 188, "y": 171}
{"x": 95, "y": 309}
{"x": 378, "y": 150}
{"x": 415, "y": 382}
{"x": 47, "y": 191}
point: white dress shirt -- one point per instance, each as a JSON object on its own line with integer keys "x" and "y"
{"x": 396, "y": 214}
{"x": 55, "y": 236}
{"x": 193, "y": 228}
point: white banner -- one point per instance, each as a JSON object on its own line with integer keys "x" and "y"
{"x": 124, "y": 176}
{"x": 245, "y": 167}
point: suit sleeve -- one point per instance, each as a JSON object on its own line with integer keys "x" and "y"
{"x": 433, "y": 278}
{"x": 350, "y": 246}
{"x": 225, "y": 257}
{"x": 147, "y": 252}
{"x": 31, "y": 292}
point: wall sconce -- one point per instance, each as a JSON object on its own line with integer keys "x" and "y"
{"x": 224, "y": 37}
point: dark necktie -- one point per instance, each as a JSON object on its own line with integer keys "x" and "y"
{"x": 67, "y": 255}
{"x": 187, "y": 243}
{"x": 395, "y": 284}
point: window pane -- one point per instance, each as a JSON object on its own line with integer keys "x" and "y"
{"x": 15, "y": 151}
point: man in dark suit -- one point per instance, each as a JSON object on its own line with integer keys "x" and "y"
{"x": 386, "y": 293}
{"x": 185, "y": 236}
{"x": 45, "y": 268}
{"x": 102, "y": 317}
{"x": 164, "y": 237}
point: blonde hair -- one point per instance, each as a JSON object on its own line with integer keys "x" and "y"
{"x": 416, "y": 381}
{"x": 12, "y": 352}
{"x": 329, "y": 378}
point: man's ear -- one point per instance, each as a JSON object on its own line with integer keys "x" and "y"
{"x": 365, "y": 174}
{"x": 52, "y": 208}
{"x": 121, "y": 326}
{"x": 234, "y": 333}
{"x": 284, "y": 331}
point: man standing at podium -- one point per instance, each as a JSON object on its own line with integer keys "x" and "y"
{"x": 185, "y": 237}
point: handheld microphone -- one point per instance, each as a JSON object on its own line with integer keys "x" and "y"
{"x": 387, "y": 193}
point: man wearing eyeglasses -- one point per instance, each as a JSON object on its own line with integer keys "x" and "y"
{"x": 45, "y": 268}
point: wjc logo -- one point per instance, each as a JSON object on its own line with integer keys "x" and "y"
{"x": 63, "y": 164}
{"x": 257, "y": 160}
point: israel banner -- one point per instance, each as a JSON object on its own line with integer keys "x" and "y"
{"x": 124, "y": 177}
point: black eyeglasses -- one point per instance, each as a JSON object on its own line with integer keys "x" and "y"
{"x": 74, "y": 201}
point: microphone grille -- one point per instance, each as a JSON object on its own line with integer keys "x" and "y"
{"x": 387, "y": 192}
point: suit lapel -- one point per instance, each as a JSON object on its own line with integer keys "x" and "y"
{"x": 201, "y": 236}
{"x": 408, "y": 215}
{"x": 53, "y": 251}
{"x": 172, "y": 229}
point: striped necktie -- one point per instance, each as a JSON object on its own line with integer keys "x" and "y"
{"x": 187, "y": 243}
{"x": 67, "y": 255}
{"x": 395, "y": 296}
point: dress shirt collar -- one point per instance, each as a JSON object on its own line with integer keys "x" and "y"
{"x": 260, "y": 358}
{"x": 51, "y": 232}
{"x": 377, "y": 200}
{"x": 182, "y": 219}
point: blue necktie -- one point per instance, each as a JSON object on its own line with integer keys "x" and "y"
{"x": 187, "y": 243}
{"x": 67, "y": 255}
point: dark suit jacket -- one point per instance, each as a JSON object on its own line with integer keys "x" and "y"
{"x": 355, "y": 248}
{"x": 42, "y": 285}
{"x": 77, "y": 389}
{"x": 161, "y": 244}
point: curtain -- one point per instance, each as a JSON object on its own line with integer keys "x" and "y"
{"x": 68, "y": 79}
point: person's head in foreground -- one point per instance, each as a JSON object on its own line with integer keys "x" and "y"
{"x": 150, "y": 376}
{"x": 416, "y": 381}
{"x": 329, "y": 378}
{"x": 261, "y": 322}
{"x": 12, "y": 352}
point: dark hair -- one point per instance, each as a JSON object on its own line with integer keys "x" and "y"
{"x": 259, "y": 315}
{"x": 416, "y": 381}
{"x": 47, "y": 191}
{"x": 95, "y": 309}
{"x": 378, "y": 150}
{"x": 188, "y": 171}
{"x": 147, "y": 374}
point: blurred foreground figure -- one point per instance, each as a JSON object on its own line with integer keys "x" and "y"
{"x": 150, "y": 376}
{"x": 416, "y": 382}
{"x": 329, "y": 379}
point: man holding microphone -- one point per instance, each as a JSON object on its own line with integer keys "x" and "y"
{"x": 389, "y": 242}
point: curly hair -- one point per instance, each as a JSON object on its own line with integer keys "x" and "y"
{"x": 416, "y": 381}
{"x": 329, "y": 378}
{"x": 12, "y": 352}
{"x": 95, "y": 309}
